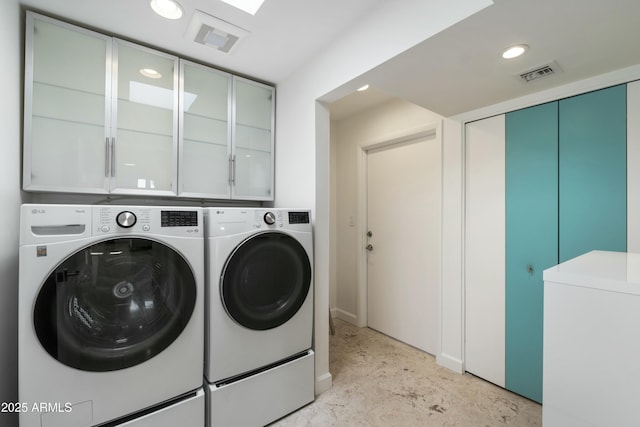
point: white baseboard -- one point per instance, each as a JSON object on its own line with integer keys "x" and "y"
{"x": 450, "y": 362}
{"x": 323, "y": 383}
{"x": 345, "y": 315}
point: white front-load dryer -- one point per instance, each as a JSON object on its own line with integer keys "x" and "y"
{"x": 111, "y": 315}
{"x": 259, "y": 363}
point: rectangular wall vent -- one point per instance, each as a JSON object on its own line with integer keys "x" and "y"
{"x": 540, "y": 72}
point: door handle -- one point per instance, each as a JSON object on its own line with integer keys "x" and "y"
{"x": 369, "y": 247}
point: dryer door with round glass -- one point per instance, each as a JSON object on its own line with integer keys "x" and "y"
{"x": 114, "y": 304}
{"x": 265, "y": 280}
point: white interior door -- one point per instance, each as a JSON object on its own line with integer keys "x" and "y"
{"x": 403, "y": 261}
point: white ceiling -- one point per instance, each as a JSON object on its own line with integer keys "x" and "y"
{"x": 457, "y": 70}
{"x": 284, "y": 34}
{"x": 460, "y": 69}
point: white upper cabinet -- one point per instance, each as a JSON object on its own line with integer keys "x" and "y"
{"x": 205, "y": 126}
{"x": 67, "y": 108}
{"x": 252, "y": 156}
{"x": 226, "y": 129}
{"x": 144, "y": 123}
{"x": 93, "y": 122}
{"x": 103, "y": 115}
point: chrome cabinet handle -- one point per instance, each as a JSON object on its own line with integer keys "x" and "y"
{"x": 233, "y": 169}
{"x": 107, "y": 159}
{"x": 113, "y": 156}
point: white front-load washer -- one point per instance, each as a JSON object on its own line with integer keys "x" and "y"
{"x": 259, "y": 273}
{"x": 111, "y": 316}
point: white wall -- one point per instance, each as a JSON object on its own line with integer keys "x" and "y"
{"x": 333, "y": 226}
{"x": 349, "y": 134}
{"x": 10, "y": 134}
{"x": 451, "y": 352}
{"x": 302, "y": 123}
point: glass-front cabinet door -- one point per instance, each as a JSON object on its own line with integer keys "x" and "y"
{"x": 67, "y": 90}
{"x": 104, "y": 115}
{"x": 101, "y": 114}
{"x": 205, "y": 149}
{"x": 252, "y": 156}
{"x": 145, "y": 141}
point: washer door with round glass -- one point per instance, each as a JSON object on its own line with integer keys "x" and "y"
{"x": 114, "y": 304}
{"x": 266, "y": 280}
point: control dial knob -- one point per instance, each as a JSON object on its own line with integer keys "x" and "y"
{"x": 270, "y": 218}
{"x": 126, "y": 219}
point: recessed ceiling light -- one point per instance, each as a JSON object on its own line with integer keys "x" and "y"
{"x": 249, "y": 6}
{"x": 514, "y": 51}
{"x": 169, "y": 9}
{"x": 150, "y": 72}
{"x": 363, "y": 88}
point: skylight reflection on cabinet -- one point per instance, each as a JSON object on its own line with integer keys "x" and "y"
{"x": 155, "y": 96}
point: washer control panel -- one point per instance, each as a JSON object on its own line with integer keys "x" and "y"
{"x": 178, "y": 218}
{"x": 176, "y": 221}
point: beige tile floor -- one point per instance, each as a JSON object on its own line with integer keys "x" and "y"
{"x": 378, "y": 381}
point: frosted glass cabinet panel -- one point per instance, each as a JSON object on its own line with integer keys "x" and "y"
{"x": 206, "y": 132}
{"x": 100, "y": 113}
{"x": 107, "y": 116}
{"x": 67, "y": 87}
{"x": 226, "y": 127}
{"x": 252, "y": 156}
{"x": 145, "y": 123}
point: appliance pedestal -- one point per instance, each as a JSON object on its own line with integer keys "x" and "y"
{"x": 263, "y": 397}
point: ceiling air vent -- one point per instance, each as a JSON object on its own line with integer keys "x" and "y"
{"x": 214, "y": 32}
{"x": 216, "y": 38}
{"x": 540, "y": 72}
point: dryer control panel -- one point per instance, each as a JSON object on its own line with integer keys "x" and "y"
{"x": 296, "y": 217}
{"x": 229, "y": 221}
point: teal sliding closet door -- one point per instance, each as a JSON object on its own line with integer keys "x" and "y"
{"x": 531, "y": 239}
{"x": 593, "y": 172}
